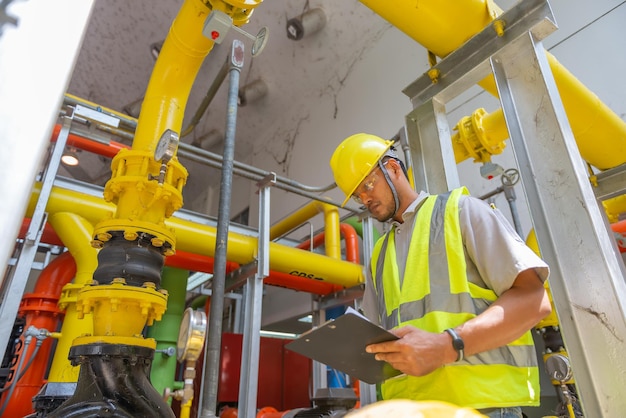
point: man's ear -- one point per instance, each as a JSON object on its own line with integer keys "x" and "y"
{"x": 394, "y": 166}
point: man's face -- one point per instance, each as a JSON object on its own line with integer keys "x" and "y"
{"x": 374, "y": 193}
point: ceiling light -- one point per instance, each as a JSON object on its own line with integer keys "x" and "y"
{"x": 308, "y": 23}
{"x": 70, "y": 157}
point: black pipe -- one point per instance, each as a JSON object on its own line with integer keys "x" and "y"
{"x": 113, "y": 383}
{"x": 135, "y": 261}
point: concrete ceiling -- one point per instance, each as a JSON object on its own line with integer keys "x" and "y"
{"x": 115, "y": 64}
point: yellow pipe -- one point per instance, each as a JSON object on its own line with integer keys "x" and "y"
{"x": 173, "y": 75}
{"x": 441, "y": 26}
{"x": 332, "y": 238}
{"x": 75, "y": 232}
{"x": 200, "y": 239}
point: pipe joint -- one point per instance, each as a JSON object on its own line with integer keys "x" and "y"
{"x": 119, "y": 309}
{"x": 135, "y": 187}
{"x": 473, "y": 139}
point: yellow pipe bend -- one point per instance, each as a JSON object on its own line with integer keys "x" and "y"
{"x": 75, "y": 231}
{"x": 332, "y": 238}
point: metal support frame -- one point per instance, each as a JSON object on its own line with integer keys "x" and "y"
{"x": 248, "y": 379}
{"x": 16, "y": 284}
{"x": 587, "y": 277}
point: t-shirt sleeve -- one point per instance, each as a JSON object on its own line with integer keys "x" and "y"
{"x": 494, "y": 246}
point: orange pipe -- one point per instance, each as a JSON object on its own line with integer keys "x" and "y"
{"x": 41, "y": 311}
{"x": 196, "y": 262}
{"x": 270, "y": 412}
{"x": 620, "y": 228}
{"x": 108, "y": 150}
{"x": 48, "y": 236}
{"x": 203, "y": 263}
{"x": 349, "y": 235}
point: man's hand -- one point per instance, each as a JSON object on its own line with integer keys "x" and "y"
{"x": 417, "y": 352}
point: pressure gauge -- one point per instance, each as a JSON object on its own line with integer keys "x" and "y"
{"x": 191, "y": 335}
{"x": 166, "y": 147}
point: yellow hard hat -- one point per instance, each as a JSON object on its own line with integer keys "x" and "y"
{"x": 355, "y": 158}
{"x": 402, "y": 408}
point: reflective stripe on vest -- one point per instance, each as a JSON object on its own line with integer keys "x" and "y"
{"x": 436, "y": 295}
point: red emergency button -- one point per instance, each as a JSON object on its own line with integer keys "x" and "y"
{"x": 215, "y": 34}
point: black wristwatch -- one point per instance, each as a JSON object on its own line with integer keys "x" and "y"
{"x": 457, "y": 344}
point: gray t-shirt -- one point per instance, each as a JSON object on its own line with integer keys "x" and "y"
{"x": 495, "y": 254}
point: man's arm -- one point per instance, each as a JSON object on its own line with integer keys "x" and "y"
{"x": 517, "y": 310}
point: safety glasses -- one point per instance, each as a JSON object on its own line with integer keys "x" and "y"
{"x": 367, "y": 185}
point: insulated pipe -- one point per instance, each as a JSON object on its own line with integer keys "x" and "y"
{"x": 308, "y": 211}
{"x": 75, "y": 232}
{"x": 41, "y": 311}
{"x": 441, "y": 26}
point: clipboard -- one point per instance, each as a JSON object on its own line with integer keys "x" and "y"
{"x": 340, "y": 343}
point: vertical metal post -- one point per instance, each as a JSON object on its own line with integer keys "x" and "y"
{"x": 431, "y": 158}
{"x": 17, "y": 283}
{"x": 210, "y": 372}
{"x": 248, "y": 379}
{"x": 587, "y": 279}
{"x": 319, "y": 370}
{"x": 367, "y": 392}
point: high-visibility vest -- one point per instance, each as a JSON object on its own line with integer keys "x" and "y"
{"x": 436, "y": 295}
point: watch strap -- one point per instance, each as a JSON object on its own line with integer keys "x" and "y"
{"x": 457, "y": 344}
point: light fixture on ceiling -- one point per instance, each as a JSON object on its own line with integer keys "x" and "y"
{"x": 308, "y": 23}
{"x": 70, "y": 157}
{"x": 252, "y": 91}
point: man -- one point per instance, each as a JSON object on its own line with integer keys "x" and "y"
{"x": 453, "y": 280}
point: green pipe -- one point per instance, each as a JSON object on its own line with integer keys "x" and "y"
{"x": 354, "y": 222}
{"x": 165, "y": 331}
{"x": 198, "y": 302}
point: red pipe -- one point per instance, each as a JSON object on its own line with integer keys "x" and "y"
{"x": 49, "y": 236}
{"x": 350, "y": 237}
{"x": 41, "y": 311}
